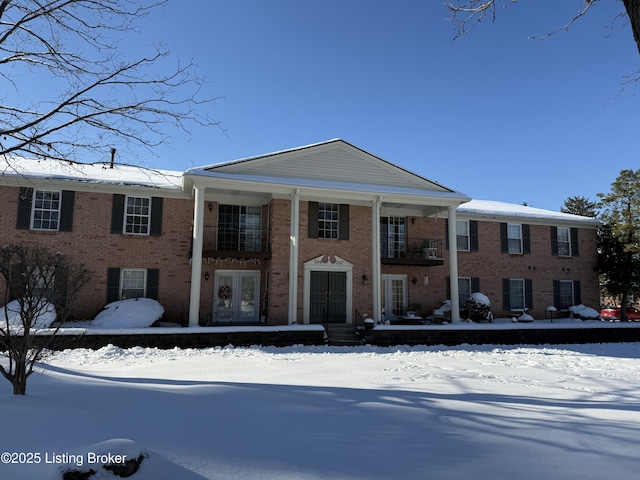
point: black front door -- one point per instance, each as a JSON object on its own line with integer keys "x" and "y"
{"x": 328, "y": 297}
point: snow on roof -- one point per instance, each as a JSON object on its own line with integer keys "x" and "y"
{"x": 96, "y": 173}
{"x": 502, "y": 209}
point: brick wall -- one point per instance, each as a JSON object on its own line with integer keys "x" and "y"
{"x": 491, "y": 266}
{"x": 92, "y": 244}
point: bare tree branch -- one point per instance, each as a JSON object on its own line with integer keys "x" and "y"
{"x": 95, "y": 95}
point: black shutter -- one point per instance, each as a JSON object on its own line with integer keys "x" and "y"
{"x": 528, "y": 294}
{"x": 66, "y": 211}
{"x": 446, "y": 233}
{"x": 506, "y": 294}
{"x": 156, "y": 217}
{"x": 117, "y": 213}
{"x": 473, "y": 235}
{"x": 60, "y": 286}
{"x": 556, "y": 294}
{"x": 16, "y": 288}
{"x": 577, "y": 294}
{"x": 504, "y": 239}
{"x": 526, "y": 238}
{"x": 153, "y": 280}
{"x": 448, "y": 288}
{"x": 475, "y": 284}
{"x": 343, "y": 219}
{"x": 554, "y": 241}
{"x": 25, "y": 197}
{"x": 113, "y": 285}
{"x": 313, "y": 220}
{"x": 574, "y": 242}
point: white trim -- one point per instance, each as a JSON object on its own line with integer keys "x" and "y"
{"x": 294, "y": 240}
{"x": 33, "y": 209}
{"x": 327, "y": 263}
{"x": 387, "y": 293}
{"x": 122, "y": 272}
{"x": 453, "y": 266}
{"x": 196, "y": 257}
{"x": 376, "y": 260}
{"x": 124, "y": 216}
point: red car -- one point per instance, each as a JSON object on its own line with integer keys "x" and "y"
{"x": 614, "y": 313}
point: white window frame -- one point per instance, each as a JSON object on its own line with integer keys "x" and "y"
{"x": 126, "y": 271}
{"x": 566, "y": 241}
{"x": 523, "y": 298}
{"x": 394, "y": 239}
{"x": 512, "y": 228}
{"x": 389, "y": 296}
{"x": 462, "y": 235}
{"x": 50, "y": 211}
{"x": 328, "y": 221}
{"x": 137, "y": 215}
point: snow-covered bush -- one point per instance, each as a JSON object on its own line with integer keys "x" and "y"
{"x": 44, "y": 315}
{"x": 477, "y": 308}
{"x": 583, "y": 313}
{"x": 130, "y": 313}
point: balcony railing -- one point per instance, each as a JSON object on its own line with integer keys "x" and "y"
{"x": 245, "y": 242}
{"x": 412, "y": 251}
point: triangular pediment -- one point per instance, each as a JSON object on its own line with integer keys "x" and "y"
{"x": 332, "y": 161}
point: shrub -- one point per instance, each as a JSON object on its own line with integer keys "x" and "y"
{"x": 477, "y": 308}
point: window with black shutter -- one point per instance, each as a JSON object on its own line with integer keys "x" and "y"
{"x": 45, "y": 210}
{"x": 132, "y": 215}
{"x": 328, "y": 220}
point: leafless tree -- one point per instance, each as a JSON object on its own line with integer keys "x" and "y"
{"x": 468, "y": 13}
{"x": 38, "y": 283}
{"x": 93, "y": 96}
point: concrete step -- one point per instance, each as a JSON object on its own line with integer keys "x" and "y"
{"x": 342, "y": 335}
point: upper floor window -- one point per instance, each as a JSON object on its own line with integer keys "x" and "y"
{"x": 393, "y": 237}
{"x": 239, "y": 228}
{"x": 133, "y": 215}
{"x": 564, "y": 241}
{"x": 515, "y": 238}
{"x": 45, "y": 210}
{"x": 466, "y": 235}
{"x": 137, "y": 216}
{"x": 328, "y": 215}
{"x": 328, "y": 220}
{"x": 462, "y": 235}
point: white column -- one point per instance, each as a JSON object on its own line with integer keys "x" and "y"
{"x": 376, "y": 254}
{"x": 196, "y": 257}
{"x": 453, "y": 266}
{"x": 293, "y": 257}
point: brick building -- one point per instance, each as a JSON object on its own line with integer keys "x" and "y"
{"x": 220, "y": 244}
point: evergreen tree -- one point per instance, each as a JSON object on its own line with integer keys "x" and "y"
{"x": 579, "y": 205}
{"x": 619, "y": 238}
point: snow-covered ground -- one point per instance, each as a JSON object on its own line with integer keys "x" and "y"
{"x": 487, "y": 412}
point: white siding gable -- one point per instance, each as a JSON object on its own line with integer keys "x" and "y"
{"x": 333, "y": 161}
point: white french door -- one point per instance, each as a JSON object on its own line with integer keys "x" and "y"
{"x": 394, "y": 296}
{"x": 236, "y": 296}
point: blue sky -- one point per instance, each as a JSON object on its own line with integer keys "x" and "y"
{"x": 493, "y": 114}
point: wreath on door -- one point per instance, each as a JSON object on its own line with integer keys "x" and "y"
{"x": 224, "y": 292}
